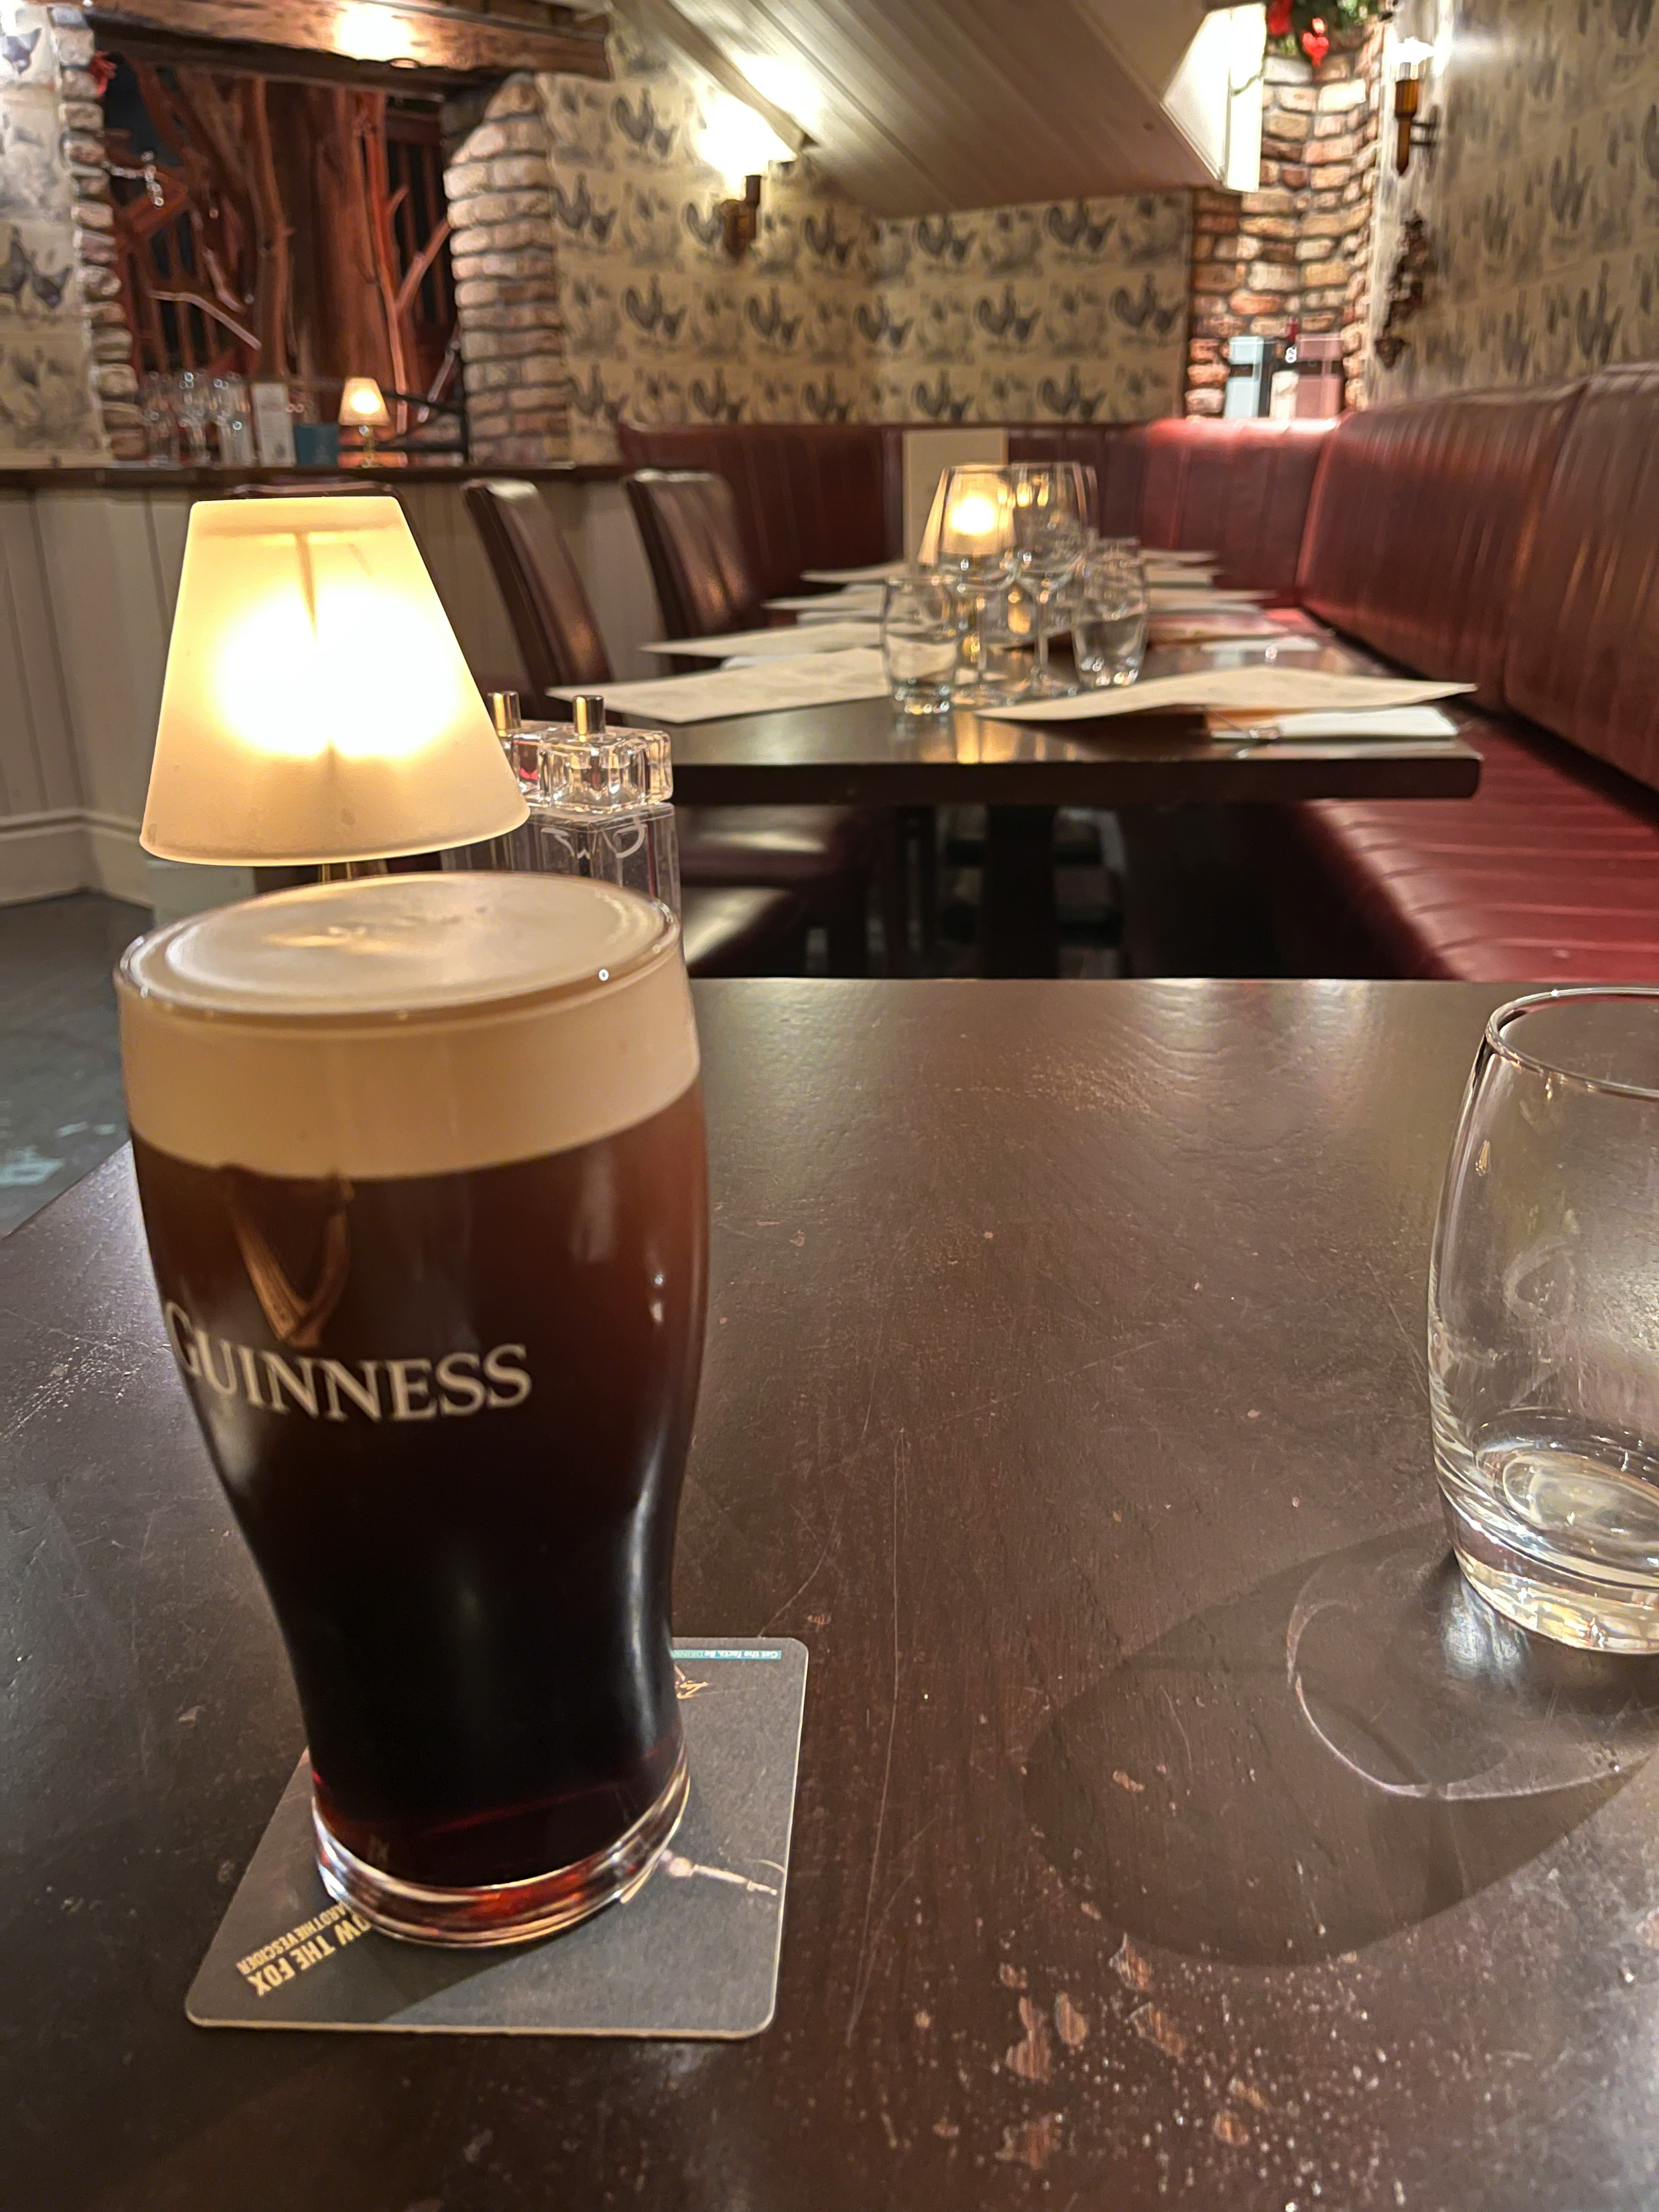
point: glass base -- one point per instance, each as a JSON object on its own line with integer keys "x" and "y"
{"x": 1051, "y": 687}
{"x": 990, "y": 694}
{"x": 510, "y": 1911}
{"x": 1566, "y": 1604}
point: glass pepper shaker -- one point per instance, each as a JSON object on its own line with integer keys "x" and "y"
{"x": 599, "y": 802}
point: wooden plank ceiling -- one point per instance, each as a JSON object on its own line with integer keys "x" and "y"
{"x": 921, "y": 107}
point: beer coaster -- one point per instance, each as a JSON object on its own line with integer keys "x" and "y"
{"x": 695, "y": 1952}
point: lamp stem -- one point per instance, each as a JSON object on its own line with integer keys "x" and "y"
{"x": 349, "y": 872}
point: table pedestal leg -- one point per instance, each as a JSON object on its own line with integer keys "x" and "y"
{"x": 1018, "y": 926}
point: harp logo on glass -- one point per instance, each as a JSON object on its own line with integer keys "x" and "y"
{"x": 454, "y": 1386}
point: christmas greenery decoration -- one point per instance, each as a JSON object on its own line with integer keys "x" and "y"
{"x": 1306, "y": 26}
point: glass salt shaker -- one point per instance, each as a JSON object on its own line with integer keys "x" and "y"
{"x": 599, "y": 802}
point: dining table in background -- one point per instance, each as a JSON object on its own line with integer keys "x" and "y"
{"x": 864, "y": 752}
{"x": 1173, "y": 1828}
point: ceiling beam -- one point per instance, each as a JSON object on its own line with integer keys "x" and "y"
{"x": 395, "y": 39}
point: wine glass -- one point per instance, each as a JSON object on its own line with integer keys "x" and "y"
{"x": 975, "y": 549}
{"x": 1050, "y": 531}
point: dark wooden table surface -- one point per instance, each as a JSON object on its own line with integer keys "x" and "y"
{"x": 1064, "y": 1393}
{"x": 864, "y": 753}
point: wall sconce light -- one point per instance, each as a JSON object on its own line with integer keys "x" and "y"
{"x": 739, "y": 144}
{"x": 1410, "y": 127}
{"x": 740, "y": 220}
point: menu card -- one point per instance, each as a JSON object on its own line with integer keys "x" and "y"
{"x": 1263, "y": 692}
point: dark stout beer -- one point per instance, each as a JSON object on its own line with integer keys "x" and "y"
{"x": 422, "y": 1169}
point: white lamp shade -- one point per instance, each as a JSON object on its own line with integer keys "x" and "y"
{"x": 317, "y": 706}
{"x": 362, "y": 403}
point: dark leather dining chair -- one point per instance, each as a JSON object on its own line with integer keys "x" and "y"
{"x": 688, "y": 522}
{"x": 819, "y": 855}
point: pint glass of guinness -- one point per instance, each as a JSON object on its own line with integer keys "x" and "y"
{"x": 422, "y": 1169}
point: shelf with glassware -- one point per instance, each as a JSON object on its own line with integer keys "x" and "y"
{"x": 219, "y": 419}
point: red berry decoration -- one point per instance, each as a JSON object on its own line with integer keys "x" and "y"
{"x": 1315, "y": 44}
{"x": 1279, "y": 19}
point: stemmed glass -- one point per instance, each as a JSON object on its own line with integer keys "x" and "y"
{"x": 1052, "y": 520}
{"x": 974, "y": 548}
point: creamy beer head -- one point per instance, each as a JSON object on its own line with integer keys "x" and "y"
{"x": 406, "y": 1025}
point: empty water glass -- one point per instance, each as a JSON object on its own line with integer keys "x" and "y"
{"x": 232, "y": 418}
{"x": 190, "y": 405}
{"x": 160, "y": 423}
{"x": 921, "y": 639}
{"x": 1109, "y": 620}
{"x": 1544, "y": 1319}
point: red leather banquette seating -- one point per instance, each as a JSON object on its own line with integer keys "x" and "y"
{"x": 1506, "y": 539}
{"x": 1510, "y": 540}
{"x": 830, "y": 495}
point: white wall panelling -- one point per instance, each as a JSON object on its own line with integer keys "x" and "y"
{"x": 88, "y": 584}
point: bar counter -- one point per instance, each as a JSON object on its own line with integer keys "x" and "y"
{"x": 220, "y": 484}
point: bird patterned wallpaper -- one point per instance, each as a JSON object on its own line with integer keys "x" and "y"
{"x": 1069, "y": 313}
{"x": 1072, "y": 314}
{"x": 1541, "y": 197}
{"x": 47, "y": 412}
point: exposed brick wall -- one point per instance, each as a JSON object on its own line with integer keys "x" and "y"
{"x": 1300, "y": 246}
{"x": 81, "y": 144}
{"x": 506, "y": 292}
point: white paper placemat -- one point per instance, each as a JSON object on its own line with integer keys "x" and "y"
{"x": 1198, "y": 598}
{"x": 878, "y": 573}
{"x": 762, "y": 644}
{"x": 828, "y": 606}
{"x": 1209, "y": 628}
{"x": 1379, "y": 722}
{"x": 812, "y": 679}
{"x": 1269, "y": 692}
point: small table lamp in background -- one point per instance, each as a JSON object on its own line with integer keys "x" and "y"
{"x": 317, "y": 707}
{"x": 363, "y": 408}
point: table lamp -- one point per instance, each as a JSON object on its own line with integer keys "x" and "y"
{"x": 363, "y": 408}
{"x": 972, "y": 535}
{"x": 317, "y": 708}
